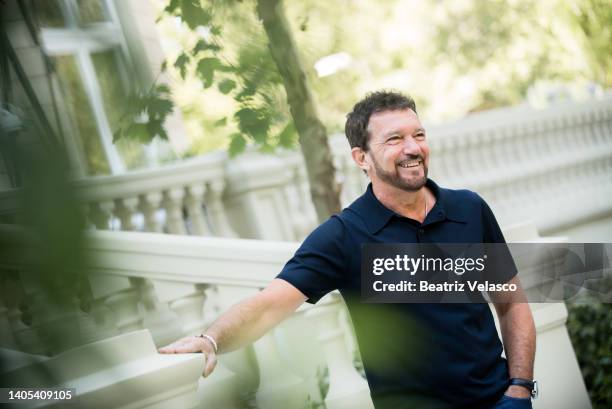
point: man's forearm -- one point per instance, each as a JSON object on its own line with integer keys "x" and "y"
{"x": 248, "y": 320}
{"x": 518, "y": 333}
{"x": 240, "y": 325}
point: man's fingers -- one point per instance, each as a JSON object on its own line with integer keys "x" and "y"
{"x": 168, "y": 349}
{"x": 184, "y": 345}
{"x": 187, "y": 348}
{"x": 211, "y": 362}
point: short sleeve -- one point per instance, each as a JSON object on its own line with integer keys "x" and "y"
{"x": 319, "y": 265}
{"x": 505, "y": 266}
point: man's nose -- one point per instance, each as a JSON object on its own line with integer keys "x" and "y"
{"x": 411, "y": 147}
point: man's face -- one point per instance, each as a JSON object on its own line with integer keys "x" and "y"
{"x": 398, "y": 154}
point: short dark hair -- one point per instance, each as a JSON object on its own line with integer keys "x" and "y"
{"x": 356, "y": 127}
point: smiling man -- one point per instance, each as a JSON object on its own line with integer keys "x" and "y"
{"x": 438, "y": 356}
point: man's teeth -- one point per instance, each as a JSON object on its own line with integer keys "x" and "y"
{"x": 410, "y": 164}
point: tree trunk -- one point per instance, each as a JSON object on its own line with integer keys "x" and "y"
{"x": 324, "y": 190}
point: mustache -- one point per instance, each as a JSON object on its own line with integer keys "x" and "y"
{"x": 410, "y": 158}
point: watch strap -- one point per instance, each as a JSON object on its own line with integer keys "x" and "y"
{"x": 530, "y": 385}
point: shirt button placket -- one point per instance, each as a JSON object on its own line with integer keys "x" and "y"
{"x": 420, "y": 233}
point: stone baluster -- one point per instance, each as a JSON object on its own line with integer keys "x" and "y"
{"x": 279, "y": 388}
{"x": 346, "y": 181}
{"x": 118, "y": 295}
{"x": 454, "y": 160}
{"x": 55, "y": 321}
{"x": 124, "y": 306}
{"x": 347, "y": 389}
{"x": 473, "y": 152}
{"x": 157, "y": 316}
{"x": 493, "y": 140}
{"x": 594, "y": 128}
{"x": 194, "y": 201}
{"x": 85, "y": 211}
{"x": 304, "y": 194}
{"x": 19, "y": 315}
{"x": 441, "y": 156}
{"x": 25, "y": 338}
{"x": 215, "y": 209}
{"x": 126, "y": 209}
{"x": 296, "y": 205}
{"x": 603, "y": 127}
{"x": 185, "y": 300}
{"x": 149, "y": 205}
{"x": 101, "y": 214}
{"x": 540, "y": 150}
{"x": 190, "y": 309}
{"x": 95, "y": 323}
{"x": 173, "y": 203}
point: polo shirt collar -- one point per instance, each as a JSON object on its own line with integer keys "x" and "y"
{"x": 376, "y": 215}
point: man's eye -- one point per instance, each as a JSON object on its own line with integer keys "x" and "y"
{"x": 394, "y": 139}
{"x": 420, "y": 136}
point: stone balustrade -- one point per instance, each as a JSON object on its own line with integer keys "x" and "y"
{"x": 551, "y": 166}
{"x": 173, "y": 285}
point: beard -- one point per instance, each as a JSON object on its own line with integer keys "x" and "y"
{"x": 394, "y": 179}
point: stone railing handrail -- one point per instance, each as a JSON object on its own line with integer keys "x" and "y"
{"x": 235, "y": 262}
{"x": 209, "y": 168}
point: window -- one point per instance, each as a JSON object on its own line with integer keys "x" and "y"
{"x": 84, "y": 40}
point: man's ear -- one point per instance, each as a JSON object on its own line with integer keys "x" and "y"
{"x": 360, "y": 158}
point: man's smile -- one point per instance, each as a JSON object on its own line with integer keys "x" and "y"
{"x": 410, "y": 163}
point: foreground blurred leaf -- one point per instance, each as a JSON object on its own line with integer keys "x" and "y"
{"x": 237, "y": 144}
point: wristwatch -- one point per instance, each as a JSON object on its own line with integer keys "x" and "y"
{"x": 532, "y": 385}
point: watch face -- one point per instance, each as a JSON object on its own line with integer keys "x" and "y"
{"x": 535, "y": 390}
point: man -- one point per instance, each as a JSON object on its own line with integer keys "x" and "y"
{"x": 415, "y": 355}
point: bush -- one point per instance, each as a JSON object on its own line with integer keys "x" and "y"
{"x": 590, "y": 329}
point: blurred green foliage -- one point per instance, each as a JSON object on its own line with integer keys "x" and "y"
{"x": 145, "y": 114}
{"x": 452, "y": 57}
{"x": 594, "y": 20}
{"x": 590, "y": 329}
{"x": 247, "y": 74}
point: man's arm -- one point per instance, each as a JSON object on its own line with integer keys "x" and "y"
{"x": 518, "y": 334}
{"x": 243, "y": 323}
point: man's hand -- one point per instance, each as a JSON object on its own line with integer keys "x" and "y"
{"x": 516, "y": 391}
{"x": 194, "y": 345}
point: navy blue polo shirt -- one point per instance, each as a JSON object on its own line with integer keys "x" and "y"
{"x": 415, "y": 355}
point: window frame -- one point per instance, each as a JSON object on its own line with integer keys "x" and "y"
{"x": 81, "y": 42}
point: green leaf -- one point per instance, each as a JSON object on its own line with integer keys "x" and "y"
{"x": 161, "y": 133}
{"x": 160, "y": 107}
{"x": 172, "y": 6}
{"x": 237, "y": 144}
{"x": 164, "y": 66}
{"x": 215, "y": 30}
{"x": 288, "y": 137}
{"x": 221, "y": 122}
{"x": 193, "y": 14}
{"x": 181, "y": 64}
{"x": 266, "y": 148}
{"x": 226, "y": 86}
{"x": 253, "y": 122}
{"x": 206, "y": 70}
{"x": 138, "y": 132}
{"x": 154, "y": 128}
{"x": 162, "y": 89}
{"x": 203, "y": 45}
{"x": 117, "y": 135}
